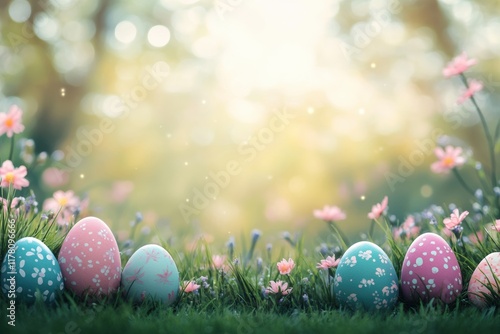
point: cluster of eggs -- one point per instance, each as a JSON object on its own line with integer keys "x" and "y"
{"x": 366, "y": 278}
{"x": 88, "y": 264}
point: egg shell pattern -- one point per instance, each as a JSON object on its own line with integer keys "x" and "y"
{"x": 430, "y": 270}
{"x": 89, "y": 258}
{"x": 366, "y": 278}
{"x": 34, "y": 268}
{"x": 151, "y": 272}
{"x": 484, "y": 279}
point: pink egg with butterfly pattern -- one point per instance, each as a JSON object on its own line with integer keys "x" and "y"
{"x": 89, "y": 258}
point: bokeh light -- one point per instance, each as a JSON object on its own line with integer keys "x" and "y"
{"x": 317, "y": 101}
{"x": 158, "y": 36}
{"x": 125, "y": 32}
{"x": 19, "y": 10}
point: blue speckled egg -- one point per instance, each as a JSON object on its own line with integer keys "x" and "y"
{"x": 30, "y": 269}
{"x": 366, "y": 279}
{"x": 151, "y": 273}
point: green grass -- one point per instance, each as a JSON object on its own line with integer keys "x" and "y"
{"x": 125, "y": 318}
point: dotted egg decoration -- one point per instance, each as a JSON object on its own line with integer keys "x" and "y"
{"x": 366, "y": 279}
{"x": 484, "y": 284}
{"x": 89, "y": 259}
{"x": 31, "y": 271}
{"x": 430, "y": 271}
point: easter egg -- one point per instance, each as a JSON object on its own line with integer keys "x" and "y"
{"x": 430, "y": 271}
{"x": 366, "y": 279}
{"x": 30, "y": 269}
{"x": 90, "y": 259}
{"x": 484, "y": 280}
{"x": 151, "y": 273}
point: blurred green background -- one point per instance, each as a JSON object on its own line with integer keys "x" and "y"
{"x": 169, "y": 91}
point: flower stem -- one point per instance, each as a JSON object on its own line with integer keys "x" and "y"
{"x": 462, "y": 181}
{"x": 372, "y": 226}
{"x": 343, "y": 239}
{"x": 11, "y": 152}
{"x": 482, "y": 178}
{"x": 487, "y": 134}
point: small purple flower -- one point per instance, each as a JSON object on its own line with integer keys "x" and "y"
{"x": 323, "y": 249}
{"x": 269, "y": 247}
{"x": 286, "y": 235}
{"x": 230, "y": 246}
{"x": 259, "y": 265}
{"x": 138, "y": 217}
{"x": 30, "y": 202}
{"x": 256, "y": 235}
{"x": 479, "y": 195}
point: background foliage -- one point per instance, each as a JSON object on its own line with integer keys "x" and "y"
{"x": 357, "y": 115}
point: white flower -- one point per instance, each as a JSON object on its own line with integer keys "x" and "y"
{"x": 366, "y": 255}
{"x": 380, "y": 272}
{"x": 40, "y": 274}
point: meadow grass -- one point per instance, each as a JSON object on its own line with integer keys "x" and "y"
{"x": 126, "y": 318}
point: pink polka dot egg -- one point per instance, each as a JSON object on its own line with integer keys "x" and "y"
{"x": 89, "y": 259}
{"x": 430, "y": 271}
{"x": 484, "y": 284}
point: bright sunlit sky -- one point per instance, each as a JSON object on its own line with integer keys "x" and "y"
{"x": 360, "y": 80}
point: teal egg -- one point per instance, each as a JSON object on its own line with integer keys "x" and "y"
{"x": 366, "y": 279}
{"x": 151, "y": 273}
{"x": 30, "y": 269}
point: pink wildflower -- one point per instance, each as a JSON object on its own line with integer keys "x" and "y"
{"x": 497, "y": 225}
{"x": 285, "y": 267}
{"x": 378, "y": 209}
{"x": 458, "y": 65}
{"x": 64, "y": 203}
{"x": 447, "y": 233}
{"x": 13, "y": 176}
{"x": 449, "y": 158}
{"x": 455, "y": 219}
{"x": 10, "y": 123}
{"x": 408, "y": 229}
{"x": 55, "y": 177}
{"x": 330, "y": 213}
{"x": 190, "y": 286}
{"x": 278, "y": 287}
{"x": 14, "y": 205}
{"x": 474, "y": 87}
{"x": 476, "y": 238}
{"x": 329, "y": 262}
{"x": 63, "y": 199}
{"x": 121, "y": 190}
{"x": 218, "y": 261}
